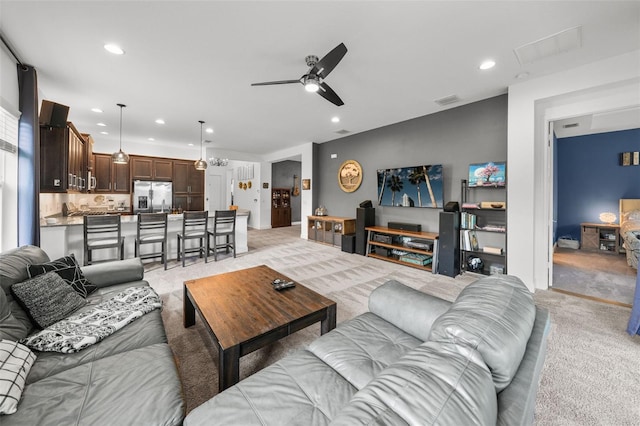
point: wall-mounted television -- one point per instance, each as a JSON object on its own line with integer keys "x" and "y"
{"x": 487, "y": 174}
{"x": 418, "y": 186}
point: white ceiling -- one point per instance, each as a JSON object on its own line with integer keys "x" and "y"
{"x": 195, "y": 60}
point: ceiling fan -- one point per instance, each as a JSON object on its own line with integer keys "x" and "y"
{"x": 313, "y": 80}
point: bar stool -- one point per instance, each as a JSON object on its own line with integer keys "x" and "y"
{"x": 102, "y": 232}
{"x": 194, "y": 227}
{"x": 152, "y": 229}
{"x": 224, "y": 225}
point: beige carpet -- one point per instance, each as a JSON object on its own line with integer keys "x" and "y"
{"x": 591, "y": 375}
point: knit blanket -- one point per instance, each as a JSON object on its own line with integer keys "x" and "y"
{"x": 92, "y": 325}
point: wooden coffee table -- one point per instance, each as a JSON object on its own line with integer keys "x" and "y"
{"x": 244, "y": 313}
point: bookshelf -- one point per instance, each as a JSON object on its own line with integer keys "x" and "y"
{"x": 483, "y": 229}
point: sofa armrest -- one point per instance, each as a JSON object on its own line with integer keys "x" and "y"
{"x": 408, "y": 309}
{"x": 116, "y": 272}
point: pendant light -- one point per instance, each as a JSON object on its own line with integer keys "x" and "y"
{"x": 120, "y": 157}
{"x": 200, "y": 164}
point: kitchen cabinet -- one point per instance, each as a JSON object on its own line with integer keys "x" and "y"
{"x": 188, "y": 186}
{"x": 63, "y": 162}
{"x": 151, "y": 168}
{"x": 112, "y": 178}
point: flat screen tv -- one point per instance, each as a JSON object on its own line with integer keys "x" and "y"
{"x": 487, "y": 174}
{"x": 418, "y": 186}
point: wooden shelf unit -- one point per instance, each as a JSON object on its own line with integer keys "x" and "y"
{"x": 431, "y": 237}
{"x": 330, "y": 229}
{"x": 600, "y": 237}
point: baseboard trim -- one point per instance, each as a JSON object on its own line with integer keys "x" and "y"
{"x": 595, "y": 299}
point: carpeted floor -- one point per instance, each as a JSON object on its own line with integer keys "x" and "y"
{"x": 591, "y": 374}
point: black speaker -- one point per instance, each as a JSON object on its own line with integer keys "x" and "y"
{"x": 349, "y": 243}
{"x": 53, "y": 114}
{"x": 366, "y": 204}
{"x": 365, "y": 216}
{"x": 415, "y": 227}
{"x": 452, "y": 206}
{"x": 449, "y": 244}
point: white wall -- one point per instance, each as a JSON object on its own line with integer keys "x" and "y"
{"x": 599, "y": 86}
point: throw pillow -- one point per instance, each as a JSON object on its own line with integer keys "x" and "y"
{"x": 15, "y": 362}
{"x": 10, "y": 327}
{"x": 67, "y": 267}
{"x": 47, "y": 298}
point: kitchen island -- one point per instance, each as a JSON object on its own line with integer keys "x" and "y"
{"x": 65, "y": 236}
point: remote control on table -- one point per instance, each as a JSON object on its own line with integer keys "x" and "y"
{"x": 283, "y": 285}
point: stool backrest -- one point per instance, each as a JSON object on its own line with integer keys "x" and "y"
{"x": 154, "y": 223}
{"x": 224, "y": 222}
{"x": 193, "y": 221}
{"x": 103, "y": 225}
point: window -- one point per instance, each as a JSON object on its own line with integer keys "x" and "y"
{"x": 8, "y": 178}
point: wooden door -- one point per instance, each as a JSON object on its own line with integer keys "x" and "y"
{"x": 121, "y": 178}
{"x": 181, "y": 176}
{"x": 162, "y": 169}
{"x": 102, "y": 172}
{"x": 196, "y": 180}
{"x": 141, "y": 168}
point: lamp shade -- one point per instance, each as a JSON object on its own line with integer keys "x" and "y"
{"x": 120, "y": 157}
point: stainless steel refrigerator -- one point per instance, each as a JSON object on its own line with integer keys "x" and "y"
{"x": 152, "y": 197}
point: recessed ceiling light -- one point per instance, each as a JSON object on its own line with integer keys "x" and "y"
{"x": 104, "y": 133}
{"x": 160, "y": 121}
{"x": 190, "y": 144}
{"x": 209, "y": 130}
{"x": 488, "y": 64}
{"x": 114, "y": 48}
{"x": 101, "y": 124}
{"x": 96, "y": 110}
{"x": 151, "y": 139}
{"x": 335, "y": 119}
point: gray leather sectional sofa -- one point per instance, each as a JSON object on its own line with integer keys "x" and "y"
{"x": 413, "y": 359}
{"x": 129, "y": 378}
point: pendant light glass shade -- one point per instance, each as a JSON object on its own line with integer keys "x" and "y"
{"x": 200, "y": 164}
{"x": 120, "y": 157}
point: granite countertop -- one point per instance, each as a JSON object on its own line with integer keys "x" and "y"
{"x": 125, "y": 218}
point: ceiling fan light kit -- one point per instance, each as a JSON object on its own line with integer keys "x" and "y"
{"x": 313, "y": 80}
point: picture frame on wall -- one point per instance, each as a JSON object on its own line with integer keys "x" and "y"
{"x": 487, "y": 174}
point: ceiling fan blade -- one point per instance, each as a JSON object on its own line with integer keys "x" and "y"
{"x": 327, "y": 92}
{"x": 269, "y": 83}
{"x": 329, "y": 62}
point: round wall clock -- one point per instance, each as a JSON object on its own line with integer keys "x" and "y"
{"x": 350, "y": 175}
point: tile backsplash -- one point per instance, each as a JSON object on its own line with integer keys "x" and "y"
{"x": 51, "y": 204}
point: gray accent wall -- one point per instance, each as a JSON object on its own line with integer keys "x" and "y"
{"x": 282, "y": 177}
{"x": 455, "y": 138}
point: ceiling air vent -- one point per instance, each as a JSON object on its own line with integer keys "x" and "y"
{"x": 447, "y": 100}
{"x": 570, "y": 125}
{"x": 561, "y": 42}
{"x": 342, "y": 132}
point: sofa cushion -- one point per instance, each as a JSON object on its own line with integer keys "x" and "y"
{"x": 359, "y": 349}
{"x": 10, "y": 327}
{"x": 494, "y": 315}
{"x": 435, "y": 383}
{"x": 14, "y": 262}
{"x": 299, "y": 389}
{"x": 69, "y": 270}
{"x": 47, "y": 298}
{"x": 140, "y": 387}
{"x": 15, "y": 363}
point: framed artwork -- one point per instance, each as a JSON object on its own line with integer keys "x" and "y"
{"x": 350, "y": 175}
{"x": 487, "y": 174}
{"x": 306, "y": 184}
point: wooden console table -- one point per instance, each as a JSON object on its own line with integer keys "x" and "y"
{"x": 330, "y": 229}
{"x": 415, "y": 249}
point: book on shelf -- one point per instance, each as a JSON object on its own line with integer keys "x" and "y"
{"x": 492, "y": 250}
{"x": 470, "y": 205}
{"x": 469, "y": 240}
{"x": 495, "y": 227}
{"x": 467, "y": 220}
{"x": 416, "y": 259}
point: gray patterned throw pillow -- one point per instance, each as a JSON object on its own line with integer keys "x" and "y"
{"x": 47, "y": 298}
{"x": 67, "y": 267}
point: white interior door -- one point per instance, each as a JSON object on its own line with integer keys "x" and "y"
{"x": 216, "y": 191}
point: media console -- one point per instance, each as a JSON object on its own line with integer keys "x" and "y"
{"x": 415, "y": 249}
